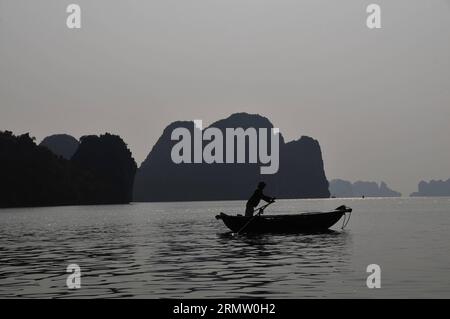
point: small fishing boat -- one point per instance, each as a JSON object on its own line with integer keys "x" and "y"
{"x": 294, "y": 223}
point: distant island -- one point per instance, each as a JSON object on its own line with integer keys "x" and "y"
{"x": 433, "y": 188}
{"x": 300, "y": 175}
{"x": 101, "y": 171}
{"x": 345, "y": 189}
{"x": 61, "y": 144}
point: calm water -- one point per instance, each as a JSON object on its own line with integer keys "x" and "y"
{"x": 176, "y": 250}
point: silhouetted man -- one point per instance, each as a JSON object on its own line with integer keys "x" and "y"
{"x": 256, "y": 198}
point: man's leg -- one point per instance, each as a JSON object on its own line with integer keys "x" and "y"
{"x": 249, "y": 211}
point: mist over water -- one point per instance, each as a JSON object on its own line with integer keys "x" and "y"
{"x": 179, "y": 250}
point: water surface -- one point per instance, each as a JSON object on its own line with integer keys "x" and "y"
{"x": 179, "y": 250}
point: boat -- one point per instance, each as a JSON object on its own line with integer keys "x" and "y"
{"x": 292, "y": 223}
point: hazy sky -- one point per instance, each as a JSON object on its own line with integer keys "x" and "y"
{"x": 378, "y": 101}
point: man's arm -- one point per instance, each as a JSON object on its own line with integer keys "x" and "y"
{"x": 267, "y": 198}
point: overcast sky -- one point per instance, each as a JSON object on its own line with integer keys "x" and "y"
{"x": 378, "y": 101}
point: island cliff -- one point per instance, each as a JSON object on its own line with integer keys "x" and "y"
{"x": 300, "y": 174}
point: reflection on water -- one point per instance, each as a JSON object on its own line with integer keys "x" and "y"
{"x": 180, "y": 250}
{"x": 305, "y": 259}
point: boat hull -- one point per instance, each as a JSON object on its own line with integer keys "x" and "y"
{"x": 305, "y": 222}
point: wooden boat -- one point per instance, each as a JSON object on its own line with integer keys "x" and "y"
{"x": 294, "y": 223}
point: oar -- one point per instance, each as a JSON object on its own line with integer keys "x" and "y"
{"x": 260, "y": 211}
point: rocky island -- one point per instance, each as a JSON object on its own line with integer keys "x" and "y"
{"x": 300, "y": 175}
{"x": 344, "y": 189}
{"x": 101, "y": 171}
{"x": 434, "y": 188}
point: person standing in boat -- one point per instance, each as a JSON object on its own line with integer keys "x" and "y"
{"x": 256, "y": 198}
